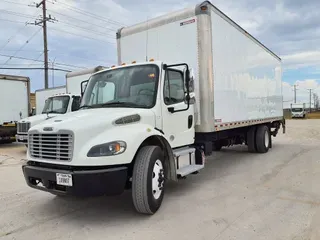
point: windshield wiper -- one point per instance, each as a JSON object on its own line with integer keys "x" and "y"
{"x": 86, "y": 106}
{"x": 51, "y": 112}
{"x": 122, "y": 104}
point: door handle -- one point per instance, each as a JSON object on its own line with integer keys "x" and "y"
{"x": 190, "y": 121}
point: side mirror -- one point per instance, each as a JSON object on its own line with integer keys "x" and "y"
{"x": 191, "y": 80}
{"x": 83, "y": 86}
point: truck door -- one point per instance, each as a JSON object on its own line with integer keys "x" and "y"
{"x": 177, "y": 120}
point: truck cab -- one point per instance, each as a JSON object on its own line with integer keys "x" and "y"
{"x": 54, "y": 106}
{"x": 298, "y": 110}
{"x": 134, "y": 119}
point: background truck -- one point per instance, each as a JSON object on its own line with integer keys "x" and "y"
{"x": 60, "y": 101}
{"x": 212, "y": 85}
{"x": 14, "y": 104}
{"x": 298, "y": 110}
{"x": 43, "y": 94}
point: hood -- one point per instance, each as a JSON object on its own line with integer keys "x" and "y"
{"x": 38, "y": 118}
{"x": 96, "y": 119}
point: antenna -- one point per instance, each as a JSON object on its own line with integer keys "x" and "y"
{"x": 147, "y": 36}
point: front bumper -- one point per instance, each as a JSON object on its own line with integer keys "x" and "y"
{"x": 22, "y": 138}
{"x": 85, "y": 183}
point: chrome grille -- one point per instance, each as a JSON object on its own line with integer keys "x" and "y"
{"x": 51, "y": 146}
{"x": 23, "y": 127}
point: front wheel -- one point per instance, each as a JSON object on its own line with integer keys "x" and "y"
{"x": 148, "y": 180}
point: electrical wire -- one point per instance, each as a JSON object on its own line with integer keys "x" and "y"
{"x": 90, "y": 30}
{"x": 16, "y": 13}
{"x": 33, "y": 68}
{"x": 13, "y": 21}
{"x": 33, "y": 35}
{"x": 24, "y": 58}
{"x": 22, "y": 4}
{"x": 78, "y": 10}
{"x": 76, "y": 19}
{"x": 59, "y": 30}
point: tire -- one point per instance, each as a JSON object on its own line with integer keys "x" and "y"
{"x": 216, "y": 146}
{"x": 251, "y": 139}
{"x": 149, "y": 164}
{"x": 263, "y": 139}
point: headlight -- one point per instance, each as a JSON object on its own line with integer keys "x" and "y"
{"x": 107, "y": 149}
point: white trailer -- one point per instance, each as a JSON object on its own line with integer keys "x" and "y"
{"x": 43, "y": 94}
{"x": 298, "y": 110}
{"x": 212, "y": 85}
{"x": 14, "y": 104}
{"x": 53, "y": 102}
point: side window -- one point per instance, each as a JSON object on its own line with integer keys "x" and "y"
{"x": 173, "y": 87}
{"x": 75, "y": 104}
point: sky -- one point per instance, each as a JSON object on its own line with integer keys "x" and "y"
{"x": 81, "y": 35}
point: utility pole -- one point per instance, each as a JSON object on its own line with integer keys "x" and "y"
{"x": 309, "y": 99}
{"x": 295, "y": 93}
{"x": 43, "y": 22}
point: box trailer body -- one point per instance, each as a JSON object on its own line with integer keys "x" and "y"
{"x": 53, "y": 102}
{"x": 43, "y": 94}
{"x": 14, "y": 102}
{"x": 75, "y": 78}
{"x": 298, "y": 110}
{"x": 237, "y": 79}
{"x": 187, "y": 84}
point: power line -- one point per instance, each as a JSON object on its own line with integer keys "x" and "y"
{"x": 16, "y": 13}
{"x": 33, "y": 35}
{"x": 78, "y": 10}
{"x": 35, "y": 60}
{"x": 86, "y": 22}
{"x": 19, "y": 30}
{"x": 26, "y": 68}
{"x": 13, "y": 21}
{"x": 59, "y": 30}
{"x": 90, "y": 30}
{"x": 22, "y": 4}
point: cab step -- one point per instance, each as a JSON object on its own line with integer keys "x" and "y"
{"x": 188, "y": 161}
{"x": 184, "y": 171}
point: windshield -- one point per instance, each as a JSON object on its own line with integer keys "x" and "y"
{"x": 57, "y": 104}
{"x": 296, "y": 110}
{"x": 134, "y": 86}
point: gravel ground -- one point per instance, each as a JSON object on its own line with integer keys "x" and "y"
{"x": 237, "y": 196}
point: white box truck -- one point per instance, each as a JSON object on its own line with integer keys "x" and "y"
{"x": 14, "y": 104}
{"x": 43, "y": 94}
{"x": 298, "y": 110}
{"x": 143, "y": 123}
{"x": 56, "y": 101}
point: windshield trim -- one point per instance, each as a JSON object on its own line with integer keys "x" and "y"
{"x": 115, "y": 106}
{"x": 56, "y": 97}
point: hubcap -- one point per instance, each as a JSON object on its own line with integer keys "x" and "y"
{"x": 157, "y": 179}
{"x": 266, "y": 139}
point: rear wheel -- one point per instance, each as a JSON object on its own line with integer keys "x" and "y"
{"x": 148, "y": 180}
{"x": 263, "y": 139}
{"x": 251, "y": 139}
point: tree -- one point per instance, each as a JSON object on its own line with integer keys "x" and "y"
{"x": 316, "y": 101}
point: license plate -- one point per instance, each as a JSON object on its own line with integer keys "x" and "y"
{"x": 64, "y": 179}
{"x": 22, "y": 137}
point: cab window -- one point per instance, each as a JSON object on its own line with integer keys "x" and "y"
{"x": 174, "y": 91}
